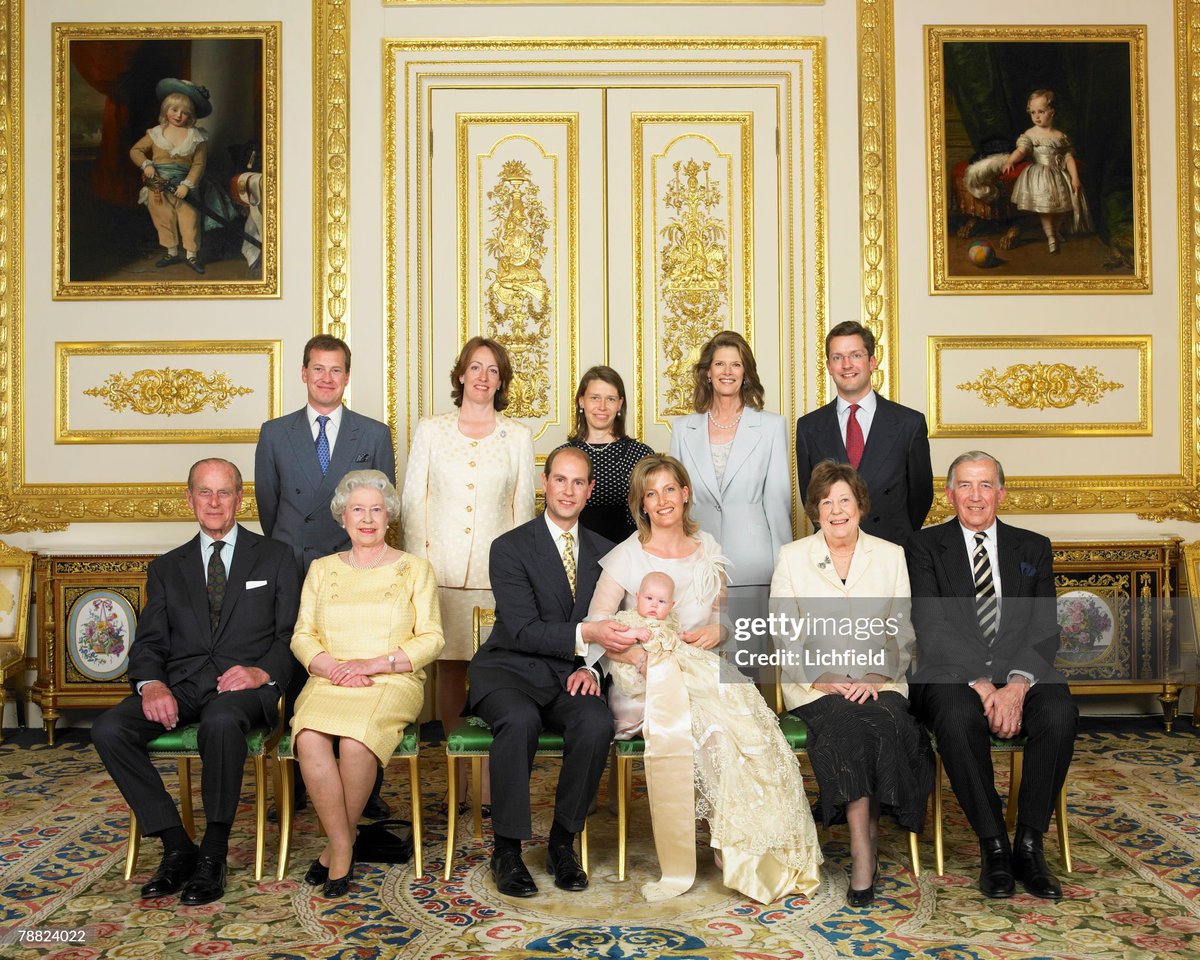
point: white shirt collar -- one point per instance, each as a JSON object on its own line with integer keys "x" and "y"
{"x": 556, "y": 533}
{"x": 969, "y": 536}
{"x": 866, "y": 404}
{"x": 206, "y": 542}
{"x": 335, "y": 417}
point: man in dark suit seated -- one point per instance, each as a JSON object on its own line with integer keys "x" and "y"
{"x": 212, "y": 646}
{"x": 888, "y": 444}
{"x": 987, "y": 634}
{"x": 299, "y": 461}
{"x": 529, "y": 674}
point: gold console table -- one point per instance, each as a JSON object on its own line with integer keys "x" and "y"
{"x": 87, "y": 610}
{"x": 1115, "y": 605}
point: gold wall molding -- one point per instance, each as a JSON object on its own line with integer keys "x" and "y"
{"x": 877, "y": 185}
{"x": 1030, "y": 384}
{"x": 1038, "y": 386}
{"x": 163, "y": 392}
{"x": 331, "y": 167}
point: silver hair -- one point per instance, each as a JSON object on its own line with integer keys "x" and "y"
{"x": 376, "y": 480}
{"x": 974, "y": 456}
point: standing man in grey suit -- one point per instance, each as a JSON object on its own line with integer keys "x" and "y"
{"x": 888, "y": 444}
{"x": 299, "y": 461}
{"x": 212, "y": 647}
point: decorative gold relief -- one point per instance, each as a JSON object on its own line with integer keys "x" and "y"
{"x": 1036, "y": 386}
{"x": 877, "y": 183}
{"x": 156, "y": 390}
{"x": 331, "y": 167}
{"x": 694, "y": 277}
{"x": 516, "y": 295}
{"x": 167, "y": 392}
{"x": 1028, "y": 384}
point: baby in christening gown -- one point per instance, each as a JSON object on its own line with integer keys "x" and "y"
{"x": 746, "y": 780}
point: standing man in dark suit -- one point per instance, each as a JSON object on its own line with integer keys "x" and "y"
{"x": 298, "y": 463}
{"x": 529, "y": 674}
{"x": 888, "y": 444}
{"x": 987, "y": 633}
{"x": 212, "y": 646}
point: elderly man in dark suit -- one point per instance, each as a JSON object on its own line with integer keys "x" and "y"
{"x": 888, "y": 444}
{"x": 987, "y": 634}
{"x": 298, "y": 463}
{"x": 529, "y": 674}
{"x": 211, "y": 647}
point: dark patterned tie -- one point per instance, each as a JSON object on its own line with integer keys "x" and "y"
{"x": 568, "y": 559}
{"x": 322, "y": 445}
{"x": 216, "y": 584}
{"x": 854, "y": 438}
{"x": 985, "y": 590}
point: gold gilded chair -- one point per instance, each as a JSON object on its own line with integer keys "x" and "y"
{"x": 1015, "y": 748}
{"x": 472, "y": 740}
{"x": 16, "y": 575}
{"x": 181, "y": 745}
{"x": 285, "y": 793}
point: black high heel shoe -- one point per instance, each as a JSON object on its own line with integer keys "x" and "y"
{"x": 862, "y": 898}
{"x": 340, "y": 886}
{"x": 317, "y": 874}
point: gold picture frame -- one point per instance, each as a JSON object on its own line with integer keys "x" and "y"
{"x": 1061, "y": 382}
{"x": 1017, "y": 226}
{"x": 166, "y": 395}
{"x": 111, "y": 221}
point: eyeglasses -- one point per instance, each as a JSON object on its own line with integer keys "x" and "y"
{"x": 858, "y": 356}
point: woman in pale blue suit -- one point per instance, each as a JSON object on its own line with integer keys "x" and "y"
{"x": 737, "y": 457}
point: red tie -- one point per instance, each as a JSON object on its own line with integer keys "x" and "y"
{"x": 854, "y": 438}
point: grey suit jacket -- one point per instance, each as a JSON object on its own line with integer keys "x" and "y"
{"x": 293, "y": 496}
{"x": 749, "y": 511}
{"x": 895, "y": 464}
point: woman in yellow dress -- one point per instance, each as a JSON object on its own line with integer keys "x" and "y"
{"x": 368, "y": 626}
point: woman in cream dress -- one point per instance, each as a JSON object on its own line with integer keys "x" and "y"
{"x": 714, "y": 749}
{"x": 368, "y": 626}
{"x": 469, "y": 479}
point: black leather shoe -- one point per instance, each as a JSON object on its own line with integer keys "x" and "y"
{"x": 1029, "y": 866}
{"x": 168, "y": 260}
{"x": 173, "y": 871}
{"x": 862, "y": 898}
{"x": 207, "y": 883}
{"x": 339, "y": 886}
{"x": 996, "y": 870}
{"x": 564, "y": 866}
{"x": 511, "y": 876}
{"x": 317, "y": 874}
{"x": 195, "y": 264}
{"x": 377, "y": 808}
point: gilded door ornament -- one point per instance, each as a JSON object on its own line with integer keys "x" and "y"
{"x": 167, "y": 392}
{"x": 1037, "y": 386}
{"x": 694, "y": 277}
{"x": 516, "y": 296}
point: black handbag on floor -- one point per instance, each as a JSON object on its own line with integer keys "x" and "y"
{"x": 375, "y": 843}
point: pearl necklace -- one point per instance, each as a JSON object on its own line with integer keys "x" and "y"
{"x": 726, "y": 426}
{"x": 366, "y": 566}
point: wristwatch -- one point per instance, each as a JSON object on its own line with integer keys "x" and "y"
{"x": 391, "y": 663}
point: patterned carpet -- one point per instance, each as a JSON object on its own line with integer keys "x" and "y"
{"x": 1135, "y": 892}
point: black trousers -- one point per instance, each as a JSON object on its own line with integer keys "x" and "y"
{"x": 516, "y": 720}
{"x": 954, "y": 712}
{"x": 120, "y": 736}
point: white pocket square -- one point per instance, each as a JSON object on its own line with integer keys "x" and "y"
{"x": 251, "y": 584}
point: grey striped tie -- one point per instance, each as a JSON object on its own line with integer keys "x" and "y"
{"x": 985, "y": 590}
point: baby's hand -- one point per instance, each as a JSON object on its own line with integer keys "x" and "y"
{"x": 181, "y": 191}
{"x": 1007, "y": 168}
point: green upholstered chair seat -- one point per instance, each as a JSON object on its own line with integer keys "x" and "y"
{"x": 186, "y": 740}
{"x": 1016, "y": 743}
{"x": 409, "y": 744}
{"x": 795, "y": 731}
{"x": 472, "y": 736}
{"x": 634, "y": 747}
